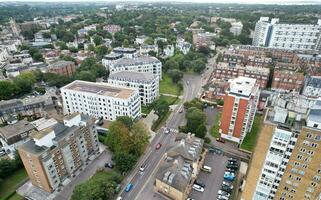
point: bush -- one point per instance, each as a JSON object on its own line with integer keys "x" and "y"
{"x": 207, "y": 140}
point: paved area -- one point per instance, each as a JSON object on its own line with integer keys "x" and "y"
{"x": 213, "y": 180}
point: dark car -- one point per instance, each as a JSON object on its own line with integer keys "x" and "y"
{"x": 220, "y": 140}
{"x": 226, "y": 189}
{"x": 197, "y": 182}
{"x": 109, "y": 165}
{"x": 228, "y": 166}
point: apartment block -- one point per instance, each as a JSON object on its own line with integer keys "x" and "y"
{"x": 286, "y": 80}
{"x": 147, "y": 84}
{"x": 65, "y": 68}
{"x": 285, "y": 163}
{"x": 226, "y": 71}
{"x": 100, "y": 100}
{"x": 240, "y": 103}
{"x": 287, "y": 36}
{"x": 146, "y": 64}
{"x": 54, "y": 154}
{"x": 126, "y": 52}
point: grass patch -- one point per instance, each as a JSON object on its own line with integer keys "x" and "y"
{"x": 167, "y": 86}
{"x": 250, "y": 138}
{"x": 16, "y": 196}
{"x": 170, "y": 100}
{"x": 215, "y": 128}
{"x": 160, "y": 121}
{"x": 146, "y": 109}
{"x": 9, "y": 184}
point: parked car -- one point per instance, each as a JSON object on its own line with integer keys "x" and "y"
{"x": 232, "y": 159}
{"x": 226, "y": 188}
{"x": 220, "y": 140}
{"x": 198, "y": 188}
{"x": 109, "y": 165}
{"x": 181, "y": 110}
{"x": 230, "y": 170}
{"x": 197, "y": 182}
{"x": 224, "y": 193}
{"x": 206, "y": 169}
{"x": 227, "y": 184}
{"x": 229, "y": 176}
{"x": 232, "y": 166}
{"x": 129, "y": 187}
{"x": 167, "y": 131}
{"x": 221, "y": 197}
{"x": 158, "y": 146}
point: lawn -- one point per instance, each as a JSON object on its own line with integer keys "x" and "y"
{"x": 9, "y": 184}
{"x": 16, "y": 197}
{"x": 170, "y": 100}
{"x": 167, "y": 86}
{"x": 215, "y": 128}
{"x": 250, "y": 138}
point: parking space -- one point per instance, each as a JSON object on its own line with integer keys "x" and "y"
{"x": 213, "y": 180}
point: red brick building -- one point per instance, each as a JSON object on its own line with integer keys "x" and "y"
{"x": 286, "y": 80}
{"x": 240, "y": 103}
{"x": 66, "y": 68}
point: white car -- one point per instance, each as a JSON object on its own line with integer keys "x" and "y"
{"x": 198, "y": 188}
{"x": 221, "y": 192}
{"x": 221, "y": 197}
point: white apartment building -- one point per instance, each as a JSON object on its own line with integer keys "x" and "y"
{"x": 287, "y": 36}
{"x": 100, "y": 100}
{"x": 276, "y": 160}
{"x": 168, "y": 51}
{"x": 4, "y": 55}
{"x": 312, "y": 87}
{"x": 147, "y": 84}
{"x": 236, "y": 28}
{"x": 144, "y": 49}
{"x": 126, "y": 52}
{"x": 147, "y": 64}
{"x": 111, "y": 59}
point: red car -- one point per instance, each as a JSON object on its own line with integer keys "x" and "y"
{"x": 220, "y": 140}
{"x": 158, "y": 146}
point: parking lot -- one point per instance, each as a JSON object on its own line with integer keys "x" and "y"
{"x": 213, "y": 180}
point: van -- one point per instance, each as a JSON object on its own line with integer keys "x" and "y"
{"x": 207, "y": 168}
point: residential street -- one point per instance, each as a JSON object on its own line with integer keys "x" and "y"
{"x": 143, "y": 183}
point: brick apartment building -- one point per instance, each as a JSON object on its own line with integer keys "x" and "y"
{"x": 226, "y": 71}
{"x": 58, "y": 152}
{"x": 66, "y": 68}
{"x": 286, "y": 80}
{"x": 240, "y": 103}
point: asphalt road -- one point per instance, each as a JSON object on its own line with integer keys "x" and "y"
{"x": 144, "y": 181}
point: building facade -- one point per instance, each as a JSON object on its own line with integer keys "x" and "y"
{"x": 146, "y": 64}
{"x": 287, "y": 165}
{"x": 147, "y": 84}
{"x": 240, "y": 103}
{"x": 286, "y": 80}
{"x": 287, "y": 36}
{"x": 126, "y": 52}
{"x": 54, "y": 154}
{"x": 100, "y": 100}
{"x": 65, "y": 68}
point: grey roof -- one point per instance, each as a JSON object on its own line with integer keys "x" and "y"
{"x": 136, "y": 61}
{"x": 314, "y": 81}
{"x": 124, "y": 50}
{"x": 132, "y": 76}
{"x": 315, "y": 112}
{"x": 18, "y": 128}
{"x": 61, "y": 63}
{"x": 12, "y": 103}
{"x": 176, "y": 172}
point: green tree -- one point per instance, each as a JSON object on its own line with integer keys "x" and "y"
{"x": 170, "y": 64}
{"x": 8, "y": 90}
{"x": 175, "y": 74}
{"x": 161, "y": 107}
{"x": 125, "y": 43}
{"x": 85, "y": 76}
{"x": 101, "y": 50}
{"x": 194, "y": 117}
{"x": 98, "y": 40}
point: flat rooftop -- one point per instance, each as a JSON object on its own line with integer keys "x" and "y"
{"x": 132, "y": 76}
{"x": 136, "y": 61}
{"x": 242, "y": 86}
{"x": 104, "y": 89}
